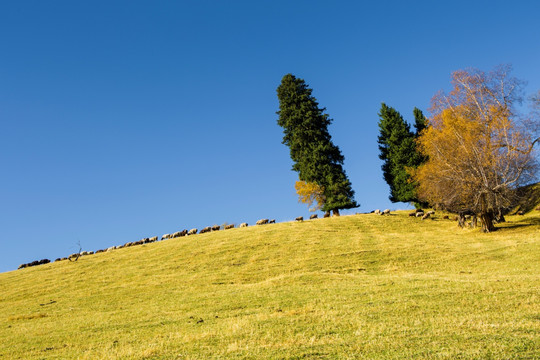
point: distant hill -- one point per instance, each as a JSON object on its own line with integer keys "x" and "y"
{"x": 352, "y": 287}
{"x": 529, "y": 198}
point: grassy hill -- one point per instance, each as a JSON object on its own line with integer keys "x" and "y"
{"x": 353, "y": 287}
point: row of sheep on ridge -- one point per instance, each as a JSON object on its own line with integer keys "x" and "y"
{"x": 185, "y": 232}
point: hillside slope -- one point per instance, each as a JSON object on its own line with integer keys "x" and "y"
{"x": 361, "y": 286}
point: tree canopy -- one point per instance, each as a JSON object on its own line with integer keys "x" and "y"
{"x": 316, "y": 159}
{"x": 477, "y": 147}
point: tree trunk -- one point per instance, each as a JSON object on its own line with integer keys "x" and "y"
{"x": 486, "y": 215}
{"x": 336, "y": 212}
{"x": 461, "y": 220}
{"x": 487, "y": 221}
{"x": 500, "y": 217}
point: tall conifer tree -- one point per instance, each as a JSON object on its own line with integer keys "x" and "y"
{"x": 316, "y": 159}
{"x": 397, "y": 145}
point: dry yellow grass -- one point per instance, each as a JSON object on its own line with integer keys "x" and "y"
{"x": 354, "y": 287}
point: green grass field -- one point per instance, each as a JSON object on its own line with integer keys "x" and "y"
{"x": 352, "y": 287}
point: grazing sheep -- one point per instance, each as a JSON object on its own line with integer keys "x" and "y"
{"x": 300, "y": 218}
{"x": 386, "y": 212}
{"x": 22, "y": 266}
{"x": 273, "y": 221}
{"x": 205, "y": 230}
{"x": 426, "y": 216}
{"x": 165, "y": 236}
{"x": 110, "y": 248}
{"x": 57, "y": 259}
{"x": 431, "y": 212}
{"x": 153, "y": 238}
{"x": 326, "y": 214}
{"x": 377, "y": 212}
{"x": 243, "y": 225}
{"x": 314, "y": 216}
{"x": 192, "y": 231}
{"x": 419, "y": 214}
{"x": 261, "y": 222}
{"x": 230, "y": 226}
{"x": 216, "y": 228}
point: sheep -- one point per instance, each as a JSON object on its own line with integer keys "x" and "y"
{"x": 300, "y": 218}
{"x": 230, "y": 226}
{"x": 314, "y": 216}
{"x": 153, "y": 238}
{"x": 183, "y": 232}
{"x": 377, "y": 212}
{"x": 243, "y": 225}
{"x": 419, "y": 214}
{"x": 426, "y": 216}
{"x": 165, "y": 236}
{"x": 386, "y": 212}
{"x": 261, "y": 222}
{"x": 216, "y": 228}
{"x": 192, "y": 231}
{"x": 412, "y": 213}
{"x": 326, "y": 214}
{"x": 273, "y": 221}
{"x": 205, "y": 230}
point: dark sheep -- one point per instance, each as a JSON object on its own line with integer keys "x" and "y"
{"x": 216, "y": 228}
{"x": 262, "y": 222}
{"x": 412, "y": 213}
{"x": 230, "y": 226}
{"x": 205, "y": 230}
{"x": 273, "y": 221}
{"x": 314, "y": 216}
{"x": 300, "y": 218}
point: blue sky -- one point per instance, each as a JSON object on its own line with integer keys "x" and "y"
{"x": 123, "y": 120}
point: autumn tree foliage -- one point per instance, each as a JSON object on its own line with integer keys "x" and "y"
{"x": 310, "y": 194}
{"x": 397, "y": 146}
{"x": 478, "y": 149}
{"x": 316, "y": 159}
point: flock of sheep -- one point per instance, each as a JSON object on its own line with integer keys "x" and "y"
{"x": 185, "y": 232}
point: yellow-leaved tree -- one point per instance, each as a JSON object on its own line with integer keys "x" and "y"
{"x": 310, "y": 193}
{"x": 478, "y": 149}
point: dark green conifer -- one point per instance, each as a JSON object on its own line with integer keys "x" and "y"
{"x": 315, "y": 157}
{"x": 397, "y": 146}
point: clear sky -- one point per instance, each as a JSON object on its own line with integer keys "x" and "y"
{"x": 127, "y": 119}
